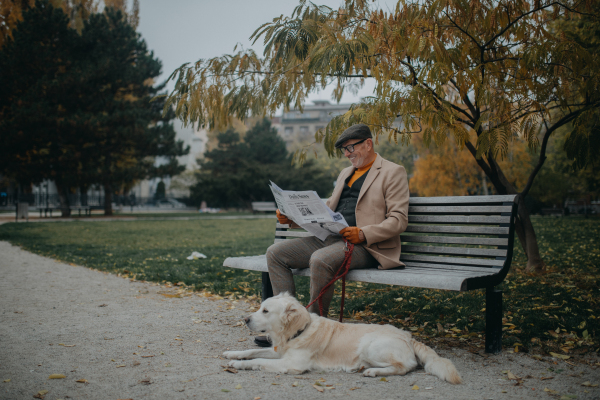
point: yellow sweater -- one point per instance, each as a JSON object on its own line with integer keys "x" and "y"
{"x": 359, "y": 172}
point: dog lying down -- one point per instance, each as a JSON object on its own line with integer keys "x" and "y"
{"x": 307, "y": 342}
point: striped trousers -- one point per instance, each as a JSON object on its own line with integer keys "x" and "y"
{"x": 323, "y": 258}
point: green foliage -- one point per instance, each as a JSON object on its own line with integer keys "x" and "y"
{"x": 236, "y": 172}
{"x": 75, "y": 108}
{"x": 557, "y": 181}
{"x": 534, "y": 307}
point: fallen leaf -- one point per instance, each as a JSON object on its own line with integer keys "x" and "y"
{"x": 148, "y": 356}
{"x": 321, "y": 380}
{"x": 546, "y": 378}
{"x": 319, "y": 388}
{"x": 121, "y": 366}
{"x": 40, "y": 394}
{"x": 225, "y": 390}
{"x": 66, "y": 345}
{"x": 146, "y": 381}
{"x": 428, "y": 388}
{"x": 295, "y": 384}
{"x": 537, "y": 357}
{"x": 511, "y": 376}
{"x": 561, "y": 356}
{"x": 242, "y": 339}
{"x": 56, "y": 376}
{"x": 6, "y": 380}
{"x": 103, "y": 305}
{"x": 257, "y": 398}
{"x": 231, "y": 370}
{"x": 383, "y": 379}
{"x": 440, "y": 328}
{"x": 415, "y": 387}
{"x": 238, "y": 386}
{"x": 586, "y": 383}
{"x": 354, "y": 388}
{"x": 550, "y": 391}
{"x": 82, "y": 380}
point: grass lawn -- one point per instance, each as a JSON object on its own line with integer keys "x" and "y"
{"x": 555, "y": 312}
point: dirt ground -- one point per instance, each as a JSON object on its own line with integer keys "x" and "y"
{"x": 112, "y": 338}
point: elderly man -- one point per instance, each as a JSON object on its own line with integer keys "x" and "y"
{"x": 372, "y": 195}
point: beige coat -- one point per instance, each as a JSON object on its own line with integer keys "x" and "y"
{"x": 381, "y": 210}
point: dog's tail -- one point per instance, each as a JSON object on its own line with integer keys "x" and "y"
{"x": 434, "y": 364}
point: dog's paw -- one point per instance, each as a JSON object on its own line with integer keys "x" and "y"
{"x": 240, "y": 365}
{"x": 234, "y": 355}
{"x": 371, "y": 372}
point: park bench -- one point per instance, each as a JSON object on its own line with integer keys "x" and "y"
{"x": 87, "y": 210}
{"x": 452, "y": 243}
{"x": 263, "y": 206}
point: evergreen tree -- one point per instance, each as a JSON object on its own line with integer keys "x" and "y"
{"x": 237, "y": 172}
{"x": 77, "y": 109}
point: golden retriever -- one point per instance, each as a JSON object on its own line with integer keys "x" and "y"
{"x": 307, "y": 342}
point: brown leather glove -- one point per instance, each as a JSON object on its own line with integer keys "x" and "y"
{"x": 282, "y": 218}
{"x": 352, "y": 234}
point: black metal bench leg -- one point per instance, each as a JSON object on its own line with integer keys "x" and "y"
{"x": 493, "y": 320}
{"x": 267, "y": 289}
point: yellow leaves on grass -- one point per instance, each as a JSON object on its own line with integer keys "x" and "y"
{"x": 561, "y": 356}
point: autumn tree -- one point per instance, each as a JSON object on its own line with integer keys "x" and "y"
{"x": 499, "y": 69}
{"x": 78, "y": 11}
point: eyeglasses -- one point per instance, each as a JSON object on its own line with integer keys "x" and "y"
{"x": 350, "y": 147}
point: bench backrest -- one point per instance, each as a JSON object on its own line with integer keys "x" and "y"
{"x": 469, "y": 233}
{"x": 264, "y": 206}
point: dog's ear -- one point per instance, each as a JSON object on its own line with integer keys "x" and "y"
{"x": 290, "y": 313}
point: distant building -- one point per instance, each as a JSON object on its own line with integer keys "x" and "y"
{"x": 300, "y": 126}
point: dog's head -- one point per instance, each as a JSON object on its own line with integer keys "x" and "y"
{"x": 280, "y": 316}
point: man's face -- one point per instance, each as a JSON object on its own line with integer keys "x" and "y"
{"x": 361, "y": 152}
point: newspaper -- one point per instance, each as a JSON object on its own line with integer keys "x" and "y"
{"x": 307, "y": 209}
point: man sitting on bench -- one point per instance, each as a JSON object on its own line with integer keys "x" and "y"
{"x": 372, "y": 195}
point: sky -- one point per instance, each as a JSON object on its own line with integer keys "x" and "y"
{"x": 180, "y": 31}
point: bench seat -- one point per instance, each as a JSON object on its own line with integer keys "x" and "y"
{"x": 413, "y": 275}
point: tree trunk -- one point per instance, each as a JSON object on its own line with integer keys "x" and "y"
{"x": 528, "y": 239}
{"x": 523, "y": 227}
{"x": 63, "y": 198}
{"x": 108, "y": 199}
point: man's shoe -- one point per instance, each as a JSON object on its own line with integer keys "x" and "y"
{"x": 263, "y": 341}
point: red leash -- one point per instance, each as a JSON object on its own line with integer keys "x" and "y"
{"x": 342, "y": 272}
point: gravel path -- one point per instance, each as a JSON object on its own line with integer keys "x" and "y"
{"x": 116, "y": 339}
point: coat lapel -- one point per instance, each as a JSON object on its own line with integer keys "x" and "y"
{"x": 372, "y": 174}
{"x": 337, "y": 191}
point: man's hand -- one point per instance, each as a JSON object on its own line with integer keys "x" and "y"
{"x": 282, "y": 218}
{"x": 353, "y": 234}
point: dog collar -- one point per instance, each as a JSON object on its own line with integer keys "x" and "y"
{"x": 298, "y": 333}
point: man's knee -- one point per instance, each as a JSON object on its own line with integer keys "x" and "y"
{"x": 318, "y": 261}
{"x": 272, "y": 253}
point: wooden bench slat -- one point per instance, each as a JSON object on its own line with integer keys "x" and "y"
{"x": 460, "y": 219}
{"x": 455, "y": 240}
{"x": 460, "y": 209}
{"x": 462, "y": 251}
{"x": 280, "y": 234}
{"x": 485, "y": 270}
{"x": 451, "y": 260}
{"x": 509, "y": 198}
{"x": 475, "y": 230}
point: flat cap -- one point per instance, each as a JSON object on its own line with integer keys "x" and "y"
{"x": 358, "y": 131}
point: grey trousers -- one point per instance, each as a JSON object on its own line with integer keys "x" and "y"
{"x": 324, "y": 260}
